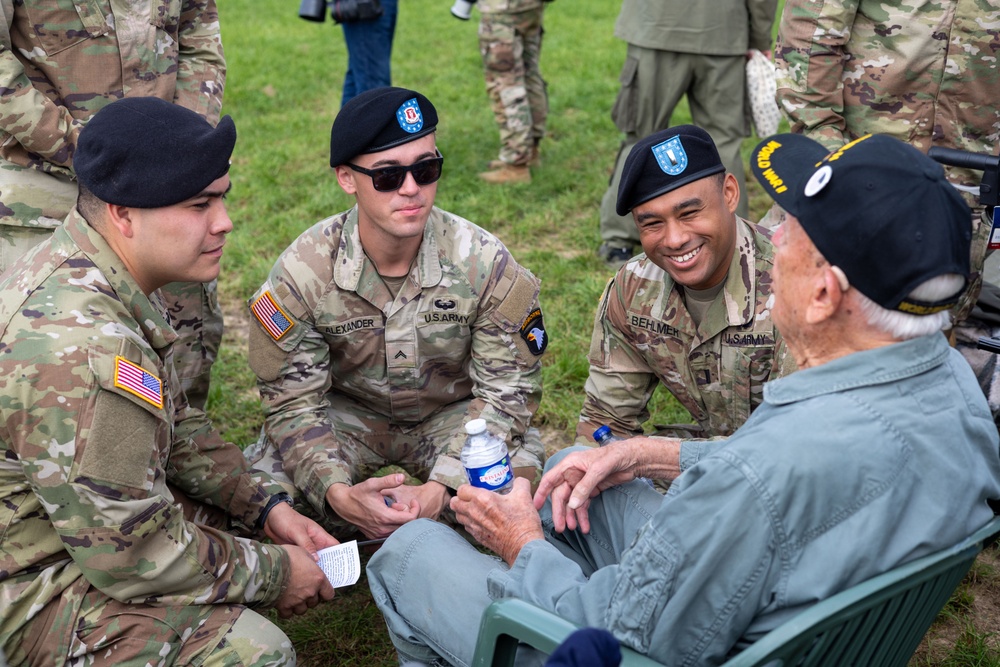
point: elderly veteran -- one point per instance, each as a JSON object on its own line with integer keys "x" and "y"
{"x": 103, "y": 465}
{"x": 825, "y": 485}
{"x": 383, "y": 329}
{"x": 692, "y": 313}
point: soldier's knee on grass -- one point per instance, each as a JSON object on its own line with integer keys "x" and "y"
{"x": 253, "y": 641}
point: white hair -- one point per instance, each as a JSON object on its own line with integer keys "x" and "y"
{"x": 903, "y": 326}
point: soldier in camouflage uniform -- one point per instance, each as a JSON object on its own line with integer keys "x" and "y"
{"x": 103, "y": 464}
{"x": 381, "y": 330}
{"x": 510, "y": 40}
{"x": 60, "y": 63}
{"x": 923, "y": 72}
{"x": 693, "y": 312}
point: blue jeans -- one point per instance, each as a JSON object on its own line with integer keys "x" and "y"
{"x": 369, "y": 48}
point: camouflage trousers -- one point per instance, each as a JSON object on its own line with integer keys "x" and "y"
{"x": 33, "y": 204}
{"x": 511, "y": 46}
{"x": 108, "y": 632}
{"x": 368, "y": 441}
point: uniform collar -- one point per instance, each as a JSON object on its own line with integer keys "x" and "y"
{"x": 738, "y": 296}
{"x": 352, "y": 261}
{"x": 147, "y": 311}
{"x": 741, "y": 281}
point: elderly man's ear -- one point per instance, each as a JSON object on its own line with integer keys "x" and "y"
{"x": 825, "y": 297}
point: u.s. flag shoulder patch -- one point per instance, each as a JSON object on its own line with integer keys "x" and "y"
{"x": 138, "y": 381}
{"x": 271, "y": 316}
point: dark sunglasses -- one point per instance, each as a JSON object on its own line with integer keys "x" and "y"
{"x": 390, "y": 179}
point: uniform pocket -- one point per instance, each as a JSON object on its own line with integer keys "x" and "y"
{"x": 625, "y": 112}
{"x": 59, "y": 27}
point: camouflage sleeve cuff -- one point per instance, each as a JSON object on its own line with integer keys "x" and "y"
{"x": 315, "y": 482}
{"x": 448, "y": 470}
{"x": 275, "y": 565}
{"x": 251, "y": 495}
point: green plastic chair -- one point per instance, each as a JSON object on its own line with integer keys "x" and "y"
{"x": 877, "y": 623}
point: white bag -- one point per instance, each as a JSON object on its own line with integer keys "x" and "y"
{"x": 761, "y": 89}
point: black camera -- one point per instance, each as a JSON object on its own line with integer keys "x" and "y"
{"x": 313, "y": 10}
{"x": 341, "y": 11}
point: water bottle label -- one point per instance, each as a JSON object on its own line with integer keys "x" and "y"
{"x": 491, "y": 477}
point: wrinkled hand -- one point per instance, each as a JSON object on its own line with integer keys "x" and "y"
{"x": 286, "y": 526}
{"x": 581, "y": 476}
{"x": 307, "y": 584}
{"x": 503, "y": 524}
{"x": 431, "y": 498}
{"x": 364, "y": 505}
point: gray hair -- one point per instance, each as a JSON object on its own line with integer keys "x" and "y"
{"x": 903, "y": 326}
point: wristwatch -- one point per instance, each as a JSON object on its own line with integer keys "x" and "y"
{"x": 272, "y": 501}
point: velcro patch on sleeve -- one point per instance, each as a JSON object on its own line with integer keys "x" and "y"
{"x": 274, "y": 320}
{"x": 138, "y": 381}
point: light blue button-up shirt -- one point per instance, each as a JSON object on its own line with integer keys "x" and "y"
{"x": 846, "y": 470}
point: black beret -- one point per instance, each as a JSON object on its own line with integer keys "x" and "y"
{"x": 664, "y": 161}
{"x": 149, "y": 153}
{"x": 377, "y": 120}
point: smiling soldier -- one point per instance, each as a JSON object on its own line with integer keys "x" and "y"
{"x": 693, "y": 312}
{"x": 382, "y": 330}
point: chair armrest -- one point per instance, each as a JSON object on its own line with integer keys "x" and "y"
{"x": 510, "y": 621}
{"x": 507, "y": 622}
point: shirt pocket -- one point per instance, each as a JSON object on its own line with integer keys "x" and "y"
{"x": 58, "y": 27}
{"x": 645, "y": 583}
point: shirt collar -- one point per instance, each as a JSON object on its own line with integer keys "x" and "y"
{"x": 860, "y": 369}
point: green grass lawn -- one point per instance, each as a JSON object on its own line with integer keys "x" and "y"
{"x": 283, "y": 91}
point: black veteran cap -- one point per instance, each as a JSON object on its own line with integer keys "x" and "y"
{"x": 877, "y": 207}
{"x": 148, "y": 153}
{"x": 377, "y": 120}
{"x": 664, "y": 161}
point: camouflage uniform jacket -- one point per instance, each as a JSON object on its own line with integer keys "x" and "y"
{"x": 463, "y": 326}
{"x": 643, "y": 335}
{"x": 93, "y": 426}
{"x": 924, "y": 72}
{"x": 62, "y": 61}
{"x": 719, "y": 28}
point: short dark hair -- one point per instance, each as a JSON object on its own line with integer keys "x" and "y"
{"x": 90, "y": 206}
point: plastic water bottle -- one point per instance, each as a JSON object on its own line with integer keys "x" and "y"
{"x": 604, "y": 436}
{"x": 486, "y": 460}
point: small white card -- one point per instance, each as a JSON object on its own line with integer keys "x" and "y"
{"x": 341, "y": 564}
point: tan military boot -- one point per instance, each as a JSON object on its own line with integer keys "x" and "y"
{"x": 508, "y": 173}
{"x": 535, "y": 161}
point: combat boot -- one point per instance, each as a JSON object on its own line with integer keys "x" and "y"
{"x": 535, "y": 161}
{"x": 508, "y": 173}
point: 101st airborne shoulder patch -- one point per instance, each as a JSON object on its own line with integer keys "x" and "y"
{"x": 271, "y": 316}
{"x": 533, "y": 332}
{"x": 138, "y": 381}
